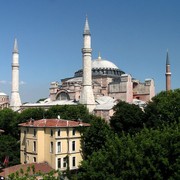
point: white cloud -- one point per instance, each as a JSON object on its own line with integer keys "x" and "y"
{"x": 22, "y": 83}
{"x": 7, "y": 82}
{"x": 3, "y": 82}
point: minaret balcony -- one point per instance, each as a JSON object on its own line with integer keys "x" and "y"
{"x": 15, "y": 64}
{"x": 86, "y": 50}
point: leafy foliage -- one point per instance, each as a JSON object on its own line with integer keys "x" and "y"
{"x": 127, "y": 118}
{"x": 95, "y": 136}
{"x": 34, "y": 113}
{"x": 164, "y": 108}
{"x": 9, "y": 146}
{"x": 70, "y": 112}
{"x": 8, "y": 122}
{"x": 150, "y": 154}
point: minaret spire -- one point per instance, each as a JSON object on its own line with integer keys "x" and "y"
{"x": 167, "y": 58}
{"x": 168, "y": 73}
{"x": 15, "y": 97}
{"x": 86, "y": 27}
{"x": 87, "y": 96}
{"x": 15, "y": 50}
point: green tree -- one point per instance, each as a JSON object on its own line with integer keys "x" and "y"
{"x": 9, "y": 146}
{"x": 8, "y": 122}
{"x": 127, "y": 118}
{"x": 95, "y": 136}
{"x": 150, "y": 154}
{"x": 34, "y": 113}
{"x": 70, "y": 112}
{"x": 164, "y": 108}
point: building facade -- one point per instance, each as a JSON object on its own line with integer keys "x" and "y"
{"x": 4, "y": 100}
{"x": 99, "y": 85}
{"x": 100, "y": 77}
{"x": 55, "y": 141}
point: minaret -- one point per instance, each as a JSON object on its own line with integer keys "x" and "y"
{"x": 87, "y": 96}
{"x": 168, "y": 73}
{"x": 15, "y": 97}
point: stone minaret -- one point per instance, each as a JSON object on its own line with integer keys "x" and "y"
{"x": 87, "y": 96}
{"x": 15, "y": 97}
{"x": 168, "y": 73}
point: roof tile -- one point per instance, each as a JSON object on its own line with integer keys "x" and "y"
{"x": 53, "y": 123}
{"x": 39, "y": 167}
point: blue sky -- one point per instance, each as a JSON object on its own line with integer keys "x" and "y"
{"x": 133, "y": 34}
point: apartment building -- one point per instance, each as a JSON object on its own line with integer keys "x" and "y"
{"x": 55, "y": 141}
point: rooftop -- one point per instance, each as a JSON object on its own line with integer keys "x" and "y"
{"x": 48, "y": 103}
{"x": 53, "y": 123}
{"x": 105, "y": 103}
{"x": 39, "y": 167}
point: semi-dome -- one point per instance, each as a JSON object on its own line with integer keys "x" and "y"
{"x": 103, "y": 64}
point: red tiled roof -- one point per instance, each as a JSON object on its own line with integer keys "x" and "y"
{"x": 39, "y": 167}
{"x": 53, "y": 123}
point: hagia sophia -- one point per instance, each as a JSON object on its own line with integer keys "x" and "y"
{"x": 99, "y": 85}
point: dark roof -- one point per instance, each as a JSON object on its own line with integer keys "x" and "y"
{"x": 39, "y": 167}
{"x": 53, "y": 123}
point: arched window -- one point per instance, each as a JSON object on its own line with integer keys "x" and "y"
{"x": 63, "y": 96}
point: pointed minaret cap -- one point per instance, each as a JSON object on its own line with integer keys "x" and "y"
{"x": 15, "y": 50}
{"x": 86, "y": 27}
{"x": 167, "y": 58}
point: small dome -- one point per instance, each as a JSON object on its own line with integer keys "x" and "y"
{"x": 102, "y": 63}
{"x": 2, "y": 94}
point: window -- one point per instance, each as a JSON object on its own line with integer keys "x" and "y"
{"x": 74, "y": 132}
{"x": 34, "y": 133}
{"x": 74, "y": 161}
{"x": 34, "y": 159}
{"x": 59, "y": 162}
{"x": 34, "y": 146}
{"x": 51, "y": 132}
{"x": 63, "y": 96}
{"x": 73, "y": 146}
{"x": 64, "y": 161}
{"x": 58, "y": 146}
{"x": 51, "y": 147}
{"x": 59, "y": 132}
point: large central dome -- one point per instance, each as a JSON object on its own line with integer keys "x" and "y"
{"x": 102, "y": 67}
{"x": 102, "y": 63}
